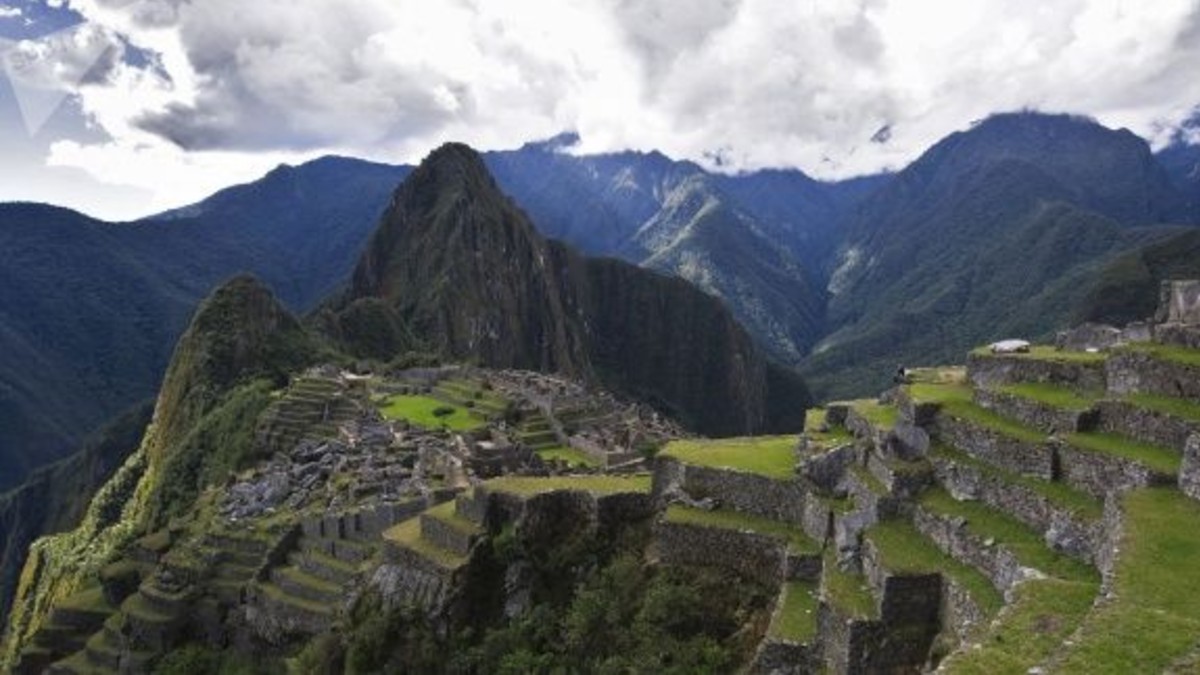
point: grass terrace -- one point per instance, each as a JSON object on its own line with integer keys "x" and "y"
{"x": 1154, "y": 617}
{"x": 990, "y": 524}
{"x": 796, "y": 618}
{"x": 1043, "y": 613}
{"x": 967, "y": 411}
{"x": 1176, "y": 407}
{"x": 847, "y": 592}
{"x": 905, "y": 550}
{"x": 770, "y": 456}
{"x": 1173, "y": 353}
{"x": 1047, "y": 353}
{"x": 727, "y": 519}
{"x": 600, "y": 485}
{"x": 879, "y": 415}
{"x": 1060, "y": 494}
{"x": 571, "y": 456}
{"x": 1156, "y": 457}
{"x": 937, "y": 375}
{"x": 408, "y": 535}
{"x": 922, "y": 392}
{"x": 1051, "y": 395}
{"x": 419, "y": 410}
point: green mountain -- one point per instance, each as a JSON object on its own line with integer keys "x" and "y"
{"x": 1126, "y": 288}
{"x": 464, "y": 269}
{"x": 986, "y": 236}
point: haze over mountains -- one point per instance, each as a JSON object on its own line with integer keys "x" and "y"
{"x": 1006, "y": 227}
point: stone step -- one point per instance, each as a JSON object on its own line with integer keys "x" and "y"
{"x": 299, "y": 584}
{"x": 1080, "y": 371}
{"x": 1100, "y": 463}
{"x": 295, "y": 614}
{"x": 1150, "y": 368}
{"x": 78, "y": 664}
{"x": 996, "y": 440}
{"x": 872, "y": 496}
{"x": 238, "y": 542}
{"x": 1004, "y": 549}
{"x": 346, "y": 550}
{"x": 902, "y": 478}
{"x": 1160, "y": 420}
{"x": 324, "y": 566}
{"x": 60, "y": 640}
{"x": 103, "y": 651}
{"x": 1068, "y": 520}
{"x": 766, "y": 550}
{"x": 922, "y": 591}
{"x": 404, "y": 545}
{"x": 164, "y": 601}
{"x": 442, "y": 526}
{"x": 1044, "y": 407}
{"x": 147, "y": 626}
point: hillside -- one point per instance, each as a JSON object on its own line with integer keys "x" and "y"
{"x": 459, "y": 264}
{"x": 981, "y": 238}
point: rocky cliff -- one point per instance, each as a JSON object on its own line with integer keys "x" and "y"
{"x": 466, "y": 271}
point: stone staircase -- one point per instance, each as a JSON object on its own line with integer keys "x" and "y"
{"x": 313, "y": 406}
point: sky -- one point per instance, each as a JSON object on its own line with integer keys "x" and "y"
{"x": 123, "y": 108}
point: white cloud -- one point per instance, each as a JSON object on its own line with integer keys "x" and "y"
{"x": 755, "y": 82}
{"x": 9, "y": 12}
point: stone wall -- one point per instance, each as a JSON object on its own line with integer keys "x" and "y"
{"x": 848, "y": 644}
{"x": 751, "y": 555}
{"x": 782, "y": 657}
{"x": 1189, "y": 471}
{"x": 994, "y": 370}
{"x": 997, "y": 449}
{"x": 909, "y": 609}
{"x": 1150, "y": 426}
{"x": 961, "y": 614}
{"x": 745, "y": 492}
{"x": 1061, "y": 529}
{"x": 1099, "y": 473}
{"x": 954, "y": 539}
{"x": 826, "y": 470}
{"x": 1135, "y": 372}
{"x": 1041, "y": 416}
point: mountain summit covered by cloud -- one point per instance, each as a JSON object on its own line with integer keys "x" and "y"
{"x": 194, "y": 95}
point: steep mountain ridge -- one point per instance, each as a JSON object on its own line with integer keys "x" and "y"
{"x": 465, "y": 269}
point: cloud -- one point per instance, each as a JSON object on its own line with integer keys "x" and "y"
{"x": 10, "y": 12}
{"x": 740, "y": 83}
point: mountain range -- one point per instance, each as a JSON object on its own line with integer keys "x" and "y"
{"x": 1009, "y": 228}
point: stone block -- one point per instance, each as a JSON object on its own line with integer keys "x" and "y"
{"x": 996, "y": 370}
{"x": 1041, "y": 416}
{"x": 1189, "y": 472}
{"x": 993, "y": 447}
{"x": 1135, "y": 372}
{"x": 751, "y": 555}
{"x": 1099, "y": 474}
{"x": 1143, "y": 424}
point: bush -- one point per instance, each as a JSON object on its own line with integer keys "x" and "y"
{"x": 443, "y": 411}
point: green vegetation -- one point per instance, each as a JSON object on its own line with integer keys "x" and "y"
{"x": 728, "y": 519}
{"x": 796, "y": 617}
{"x": 1155, "y": 457}
{"x": 408, "y": 535}
{"x": 847, "y": 592}
{"x": 423, "y": 412}
{"x": 770, "y": 456}
{"x": 922, "y": 392}
{"x": 1048, "y": 353}
{"x": 1173, "y": 353}
{"x": 944, "y": 375}
{"x": 1044, "y": 613}
{"x": 571, "y": 456}
{"x": 1152, "y": 619}
{"x": 192, "y": 659}
{"x": 447, "y": 513}
{"x": 905, "y": 550}
{"x": 1176, "y": 407}
{"x": 881, "y": 416}
{"x": 983, "y": 417}
{"x": 1055, "y": 396}
{"x": 527, "y": 486}
{"x": 1059, "y": 494}
{"x": 990, "y": 524}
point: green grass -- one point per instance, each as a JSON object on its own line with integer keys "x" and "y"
{"x": 727, "y": 519}
{"x": 1156, "y": 457}
{"x": 944, "y": 375}
{"x": 446, "y": 513}
{"x": 983, "y": 417}
{"x": 923, "y": 392}
{"x": 796, "y": 618}
{"x": 1154, "y": 617}
{"x": 419, "y": 411}
{"x": 571, "y": 456}
{"x": 1048, "y": 353}
{"x": 279, "y": 595}
{"x": 848, "y": 592}
{"x": 879, "y": 415}
{"x": 1173, "y": 353}
{"x": 770, "y": 456}
{"x": 91, "y": 600}
{"x": 1043, "y": 614}
{"x": 988, "y": 523}
{"x": 1051, "y": 395}
{"x": 528, "y": 486}
{"x": 472, "y": 390}
{"x": 1060, "y": 494}
{"x": 408, "y": 535}
{"x": 1176, "y": 407}
{"x": 906, "y": 551}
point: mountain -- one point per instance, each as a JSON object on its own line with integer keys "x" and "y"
{"x": 1126, "y": 288}
{"x": 241, "y": 344}
{"x": 759, "y": 254}
{"x": 978, "y": 240}
{"x": 89, "y": 310}
{"x": 456, "y": 261}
